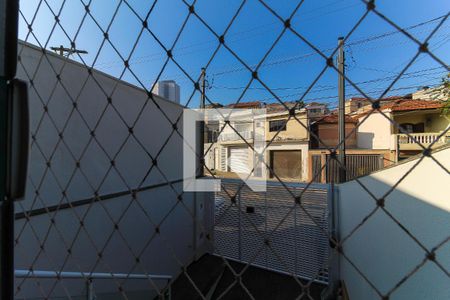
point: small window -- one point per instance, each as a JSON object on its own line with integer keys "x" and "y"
{"x": 278, "y": 125}
{"x": 406, "y": 128}
{"x": 241, "y": 127}
{"x": 419, "y": 128}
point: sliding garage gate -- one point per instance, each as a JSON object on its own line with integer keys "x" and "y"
{"x": 239, "y": 159}
{"x": 268, "y": 230}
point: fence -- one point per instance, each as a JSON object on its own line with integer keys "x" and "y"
{"x": 104, "y": 193}
{"x": 90, "y": 288}
{"x": 356, "y": 165}
{"x": 299, "y": 246}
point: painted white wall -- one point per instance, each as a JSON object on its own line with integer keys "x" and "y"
{"x": 380, "y": 249}
{"x": 374, "y": 132}
{"x": 297, "y": 146}
{"x": 162, "y": 255}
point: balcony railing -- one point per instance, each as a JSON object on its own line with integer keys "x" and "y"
{"x": 233, "y": 136}
{"x": 410, "y": 141}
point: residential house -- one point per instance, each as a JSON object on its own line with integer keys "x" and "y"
{"x": 357, "y": 105}
{"x": 420, "y": 121}
{"x": 359, "y": 161}
{"x": 227, "y": 147}
{"x": 287, "y": 153}
{"x": 354, "y": 104}
{"x": 325, "y": 133}
{"x": 316, "y": 110}
{"x": 287, "y": 138}
{"x": 430, "y": 93}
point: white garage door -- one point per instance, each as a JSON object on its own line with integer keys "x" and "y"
{"x": 239, "y": 160}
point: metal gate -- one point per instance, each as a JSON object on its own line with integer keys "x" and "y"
{"x": 356, "y": 165}
{"x": 239, "y": 160}
{"x": 270, "y": 231}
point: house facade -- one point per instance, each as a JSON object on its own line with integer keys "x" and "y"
{"x": 287, "y": 137}
{"x": 325, "y": 133}
{"x": 287, "y": 153}
{"x": 406, "y": 123}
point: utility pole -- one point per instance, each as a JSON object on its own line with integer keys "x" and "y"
{"x": 61, "y": 50}
{"x": 202, "y": 123}
{"x": 202, "y": 88}
{"x": 341, "y": 110}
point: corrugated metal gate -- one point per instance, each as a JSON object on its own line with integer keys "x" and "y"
{"x": 356, "y": 165}
{"x": 269, "y": 230}
{"x": 239, "y": 160}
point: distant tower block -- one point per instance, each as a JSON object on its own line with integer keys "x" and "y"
{"x": 167, "y": 89}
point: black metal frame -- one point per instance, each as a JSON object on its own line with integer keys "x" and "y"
{"x": 9, "y": 10}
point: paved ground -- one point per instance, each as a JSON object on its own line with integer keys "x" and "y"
{"x": 221, "y": 174}
{"x": 260, "y": 283}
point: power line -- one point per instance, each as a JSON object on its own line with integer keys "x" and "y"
{"x": 288, "y": 59}
{"x": 357, "y": 42}
{"x": 405, "y": 76}
{"x": 214, "y": 41}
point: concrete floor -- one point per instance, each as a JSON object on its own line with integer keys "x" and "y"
{"x": 260, "y": 283}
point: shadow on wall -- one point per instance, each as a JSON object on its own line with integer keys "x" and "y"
{"x": 380, "y": 249}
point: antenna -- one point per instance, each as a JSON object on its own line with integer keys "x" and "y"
{"x": 61, "y": 50}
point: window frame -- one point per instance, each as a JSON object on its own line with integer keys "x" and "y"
{"x": 281, "y": 125}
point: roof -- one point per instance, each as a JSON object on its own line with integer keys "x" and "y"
{"x": 253, "y": 104}
{"x": 385, "y": 99}
{"x": 409, "y": 105}
{"x": 278, "y": 107}
{"x": 403, "y": 104}
{"x": 333, "y": 118}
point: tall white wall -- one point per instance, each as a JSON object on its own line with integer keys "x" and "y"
{"x": 382, "y": 251}
{"x": 374, "y": 132}
{"x": 162, "y": 253}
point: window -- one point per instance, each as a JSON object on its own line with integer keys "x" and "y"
{"x": 278, "y": 125}
{"x": 406, "y": 128}
{"x": 412, "y": 128}
{"x": 242, "y": 127}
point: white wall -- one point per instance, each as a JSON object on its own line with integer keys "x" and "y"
{"x": 374, "y": 132}
{"x": 380, "y": 249}
{"x": 132, "y": 163}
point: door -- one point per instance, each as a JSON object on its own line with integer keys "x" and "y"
{"x": 239, "y": 160}
{"x": 216, "y": 159}
{"x": 286, "y": 164}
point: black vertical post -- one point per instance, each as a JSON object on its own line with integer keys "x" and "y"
{"x": 202, "y": 123}
{"x": 341, "y": 111}
{"x": 9, "y": 10}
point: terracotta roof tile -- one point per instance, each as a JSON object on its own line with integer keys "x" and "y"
{"x": 409, "y": 104}
{"x": 278, "y": 107}
{"x": 253, "y": 104}
{"x": 333, "y": 118}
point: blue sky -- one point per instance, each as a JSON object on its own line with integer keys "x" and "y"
{"x": 374, "y": 52}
